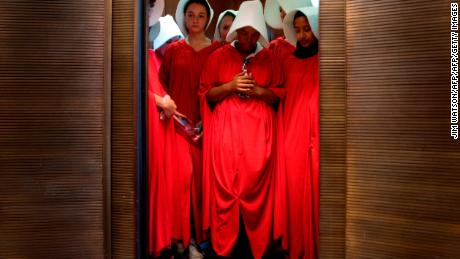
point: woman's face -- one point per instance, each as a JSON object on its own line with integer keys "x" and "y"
{"x": 247, "y": 38}
{"x": 196, "y": 18}
{"x": 224, "y": 26}
{"x": 303, "y": 31}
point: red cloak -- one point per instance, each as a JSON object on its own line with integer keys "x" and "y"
{"x": 281, "y": 48}
{"x": 160, "y": 138}
{"x": 180, "y": 74}
{"x": 243, "y": 168}
{"x": 301, "y": 122}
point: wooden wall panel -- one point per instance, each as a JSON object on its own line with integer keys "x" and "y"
{"x": 52, "y": 118}
{"x": 403, "y": 187}
{"x": 124, "y": 117}
{"x": 333, "y": 129}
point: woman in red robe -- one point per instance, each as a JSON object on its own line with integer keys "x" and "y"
{"x": 161, "y": 137}
{"x": 243, "y": 178}
{"x": 180, "y": 74}
{"x": 301, "y": 123}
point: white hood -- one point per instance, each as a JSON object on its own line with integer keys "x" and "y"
{"x": 168, "y": 30}
{"x": 250, "y": 14}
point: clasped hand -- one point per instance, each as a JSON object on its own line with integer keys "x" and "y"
{"x": 244, "y": 83}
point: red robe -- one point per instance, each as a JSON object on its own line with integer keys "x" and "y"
{"x": 180, "y": 74}
{"x": 301, "y": 122}
{"x": 160, "y": 138}
{"x": 244, "y": 171}
{"x": 281, "y": 48}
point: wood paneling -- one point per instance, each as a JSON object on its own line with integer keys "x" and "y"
{"x": 124, "y": 117}
{"x": 52, "y": 117}
{"x": 403, "y": 192}
{"x": 333, "y": 108}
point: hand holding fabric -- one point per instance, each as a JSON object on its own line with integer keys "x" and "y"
{"x": 168, "y": 105}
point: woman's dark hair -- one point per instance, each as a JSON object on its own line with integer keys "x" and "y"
{"x": 201, "y": 2}
{"x": 228, "y": 13}
{"x": 299, "y": 14}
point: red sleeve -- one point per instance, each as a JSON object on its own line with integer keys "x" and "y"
{"x": 281, "y": 49}
{"x": 165, "y": 68}
{"x": 277, "y": 78}
{"x": 280, "y": 208}
{"x": 154, "y": 85}
{"x": 209, "y": 77}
